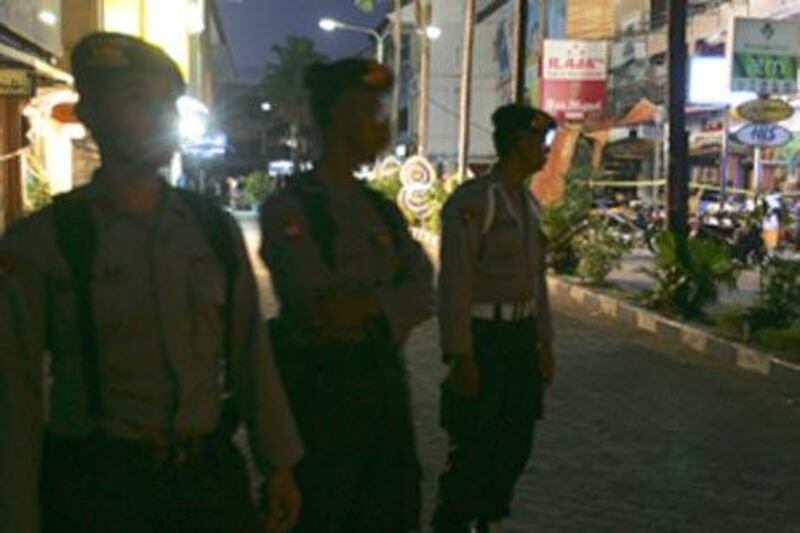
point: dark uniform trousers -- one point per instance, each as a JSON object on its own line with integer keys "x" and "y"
{"x": 99, "y": 484}
{"x": 360, "y": 472}
{"x": 491, "y": 435}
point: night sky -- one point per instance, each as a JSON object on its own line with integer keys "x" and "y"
{"x": 253, "y": 26}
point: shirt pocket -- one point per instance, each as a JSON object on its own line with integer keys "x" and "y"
{"x": 112, "y": 305}
{"x": 501, "y": 250}
{"x": 207, "y": 296}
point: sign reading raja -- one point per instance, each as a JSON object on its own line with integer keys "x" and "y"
{"x": 763, "y": 135}
{"x": 765, "y": 110}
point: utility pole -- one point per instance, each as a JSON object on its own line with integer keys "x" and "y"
{"x": 397, "y": 39}
{"x": 678, "y": 178}
{"x": 423, "y": 16}
{"x": 520, "y": 51}
{"x": 466, "y": 88}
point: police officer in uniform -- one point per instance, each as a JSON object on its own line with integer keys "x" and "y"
{"x": 352, "y": 283}
{"x": 496, "y": 331}
{"x": 145, "y": 300}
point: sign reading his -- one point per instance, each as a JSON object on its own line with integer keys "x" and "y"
{"x": 574, "y": 78}
{"x": 763, "y": 135}
{"x": 765, "y": 56}
{"x": 765, "y": 110}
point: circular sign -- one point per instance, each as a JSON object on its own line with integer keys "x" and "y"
{"x": 390, "y": 165}
{"x": 417, "y": 201}
{"x": 763, "y": 135}
{"x": 417, "y": 173}
{"x": 765, "y": 110}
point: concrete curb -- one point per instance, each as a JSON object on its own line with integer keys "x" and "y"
{"x": 729, "y": 353}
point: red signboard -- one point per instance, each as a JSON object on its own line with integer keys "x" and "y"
{"x": 574, "y": 84}
{"x": 573, "y": 100}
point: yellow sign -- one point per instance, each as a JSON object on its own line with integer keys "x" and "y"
{"x": 765, "y": 110}
{"x": 15, "y": 82}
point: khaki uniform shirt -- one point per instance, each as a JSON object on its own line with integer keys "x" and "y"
{"x": 365, "y": 257}
{"x": 158, "y": 291}
{"x": 492, "y": 252}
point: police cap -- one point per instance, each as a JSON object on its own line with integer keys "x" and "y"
{"x": 512, "y": 118}
{"x": 103, "y": 56}
{"x": 326, "y": 82}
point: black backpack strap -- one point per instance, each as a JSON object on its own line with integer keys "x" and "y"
{"x": 214, "y": 226}
{"x": 76, "y": 237}
{"x": 316, "y": 209}
{"x": 317, "y": 212}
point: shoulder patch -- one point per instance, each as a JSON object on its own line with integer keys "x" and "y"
{"x": 291, "y": 225}
{"x": 467, "y": 214}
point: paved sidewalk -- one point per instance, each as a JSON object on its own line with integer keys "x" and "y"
{"x": 635, "y": 439}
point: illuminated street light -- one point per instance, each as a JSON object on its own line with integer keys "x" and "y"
{"x": 329, "y": 24}
{"x": 432, "y": 32}
{"x": 266, "y": 107}
{"x": 48, "y": 17}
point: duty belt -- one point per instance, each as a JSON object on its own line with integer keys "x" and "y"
{"x": 505, "y": 312}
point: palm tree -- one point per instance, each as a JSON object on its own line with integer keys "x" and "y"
{"x": 284, "y": 88}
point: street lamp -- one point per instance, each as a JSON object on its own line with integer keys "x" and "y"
{"x": 266, "y": 107}
{"x": 329, "y": 25}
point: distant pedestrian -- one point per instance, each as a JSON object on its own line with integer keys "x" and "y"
{"x": 773, "y": 218}
{"x": 144, "y": 297}
{"x": 352, "y": 283}
{"x": 496, "y": 329}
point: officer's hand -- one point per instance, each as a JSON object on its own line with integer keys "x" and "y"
{"x": 283, "y": 501}
{"x": 547, "y": 363}
{"x": 465, "y": 376}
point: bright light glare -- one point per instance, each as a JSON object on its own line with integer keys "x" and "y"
{"x": 328, "y": 24}
{"x": 193, "y": 115}
{"x": 433, "y": 32}
{"x": 48, "y": 17}
{"x": 709, "y": 83}
{"x": 266, "y": 106}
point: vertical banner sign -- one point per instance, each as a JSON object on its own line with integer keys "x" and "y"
{"x": 574, "y": 78}
{"x": 765, "y": 56}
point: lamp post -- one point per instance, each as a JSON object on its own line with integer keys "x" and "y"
{"x": 329, "y": 24}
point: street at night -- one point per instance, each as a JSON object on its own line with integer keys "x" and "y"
{"x": 396, "y": 266}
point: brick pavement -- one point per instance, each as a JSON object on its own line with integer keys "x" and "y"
{"x": 635, "y": 438}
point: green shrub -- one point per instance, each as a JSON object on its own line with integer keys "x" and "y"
{"x": 685, "y": 286}
{"x": 599, "y": 250}
{"x": 781, "y": 282}
{"x": 784, "y": 340}
{"x": 562, "y": 221}
{"x": 257, "y": 186}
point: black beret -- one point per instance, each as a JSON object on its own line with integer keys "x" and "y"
{"x": 516, "y": 117}
{"x": 101, "y": 56}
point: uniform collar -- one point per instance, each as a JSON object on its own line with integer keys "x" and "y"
{"x": 169, "y": 202}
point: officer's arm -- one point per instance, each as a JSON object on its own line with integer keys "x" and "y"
{"x": 455, "y": 280}
{"x": 23, "y": 306}
{"x": 273, "y": 434}
{"x": 409, "y": 301}
{"x": 544, "y": 320}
